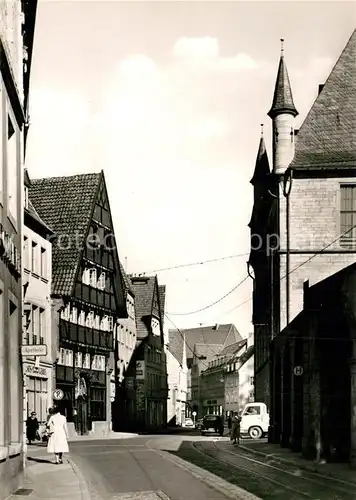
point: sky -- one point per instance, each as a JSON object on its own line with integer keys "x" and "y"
{"x": 167, "y": 98}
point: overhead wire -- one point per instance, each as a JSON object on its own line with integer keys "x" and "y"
{"x": 213, "y": 303}
{"x": 298, "y": 267}
{"x": 282, "y": 278}
{"x": 199, "y": 263}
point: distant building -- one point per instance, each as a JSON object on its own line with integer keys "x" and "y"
{"x": 142, "y": 399}
{"x": 88, "y": 295}
{"x": 177, "y": 370}
{"x": 17, "y": 23}
{"x": 37, "y": 280}
{"x": 202, "y": 344}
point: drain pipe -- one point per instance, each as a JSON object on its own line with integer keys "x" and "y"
{"x": 287, "y": 187}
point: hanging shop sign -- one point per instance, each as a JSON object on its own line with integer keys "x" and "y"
{"x": 35, "y": 371}
{"x": 140, "y": 370}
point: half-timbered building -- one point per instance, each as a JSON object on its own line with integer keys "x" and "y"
{"x": 142, "y": 397}
{"x": 87, "y": 295}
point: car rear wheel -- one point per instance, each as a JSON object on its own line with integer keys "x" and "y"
{"x": 255, "y": 432}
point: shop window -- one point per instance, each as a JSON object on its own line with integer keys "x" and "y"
{"x": 37, "y": 397}
{"x": 97, "y": 404}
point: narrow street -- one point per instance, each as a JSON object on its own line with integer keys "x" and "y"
{"x": 111, "y": 468}
{"x": 136, "y": 468}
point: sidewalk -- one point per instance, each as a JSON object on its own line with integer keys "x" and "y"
{"x": 273, "y": 452}
{"x": 110, "y": 435}
{"x": 47, "y": 481}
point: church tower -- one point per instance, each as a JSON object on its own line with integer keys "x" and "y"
{"x": 282, "y": 113}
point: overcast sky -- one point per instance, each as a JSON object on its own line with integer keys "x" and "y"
{"x": 167, "y": 98}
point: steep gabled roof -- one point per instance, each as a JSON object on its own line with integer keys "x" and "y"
{"x": 66, "y": 205}
{"x": 233, "y": 348}
{"x": 327, "y": 137}
{"x": 144, "y": 289}
{"x": 126, "y": 280}
{"x": 34, "y": 221}
{"x": 221, "y": 335}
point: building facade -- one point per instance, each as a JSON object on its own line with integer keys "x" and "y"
{"x": 16, "y": 33}
{"x": 87, "y": 295}
{"x": 177, "y": 372}
{"x": 37, "y": 282}
{"x": 219, "y": 382}
{"x": 202, "y": 344}
{"x": 141, "y": 401}
{"x": 310, "y": 193}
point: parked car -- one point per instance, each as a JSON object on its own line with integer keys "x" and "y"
{"x": 212, "y": 424}
{"x": 254, "y": 420}
{"x": 188, "y": 423}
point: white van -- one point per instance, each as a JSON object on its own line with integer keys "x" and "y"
{"x": 254, "y": 420}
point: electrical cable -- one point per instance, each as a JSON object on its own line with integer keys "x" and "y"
{"x": 179, "y": 266}
{"x": 298, "y": 267}
{"x": 212, "y": 304}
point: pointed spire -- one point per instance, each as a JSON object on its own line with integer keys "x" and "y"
{"x": 283, "y": 98}
{"x": 262, "y": 164}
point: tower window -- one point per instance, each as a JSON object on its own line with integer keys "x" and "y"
{"x": 348, "y": 215}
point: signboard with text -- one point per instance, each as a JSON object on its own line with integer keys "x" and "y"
{"x": 35, "y": 371}
{"x": 34, "y": 350}
{"x": 140, "y": 370}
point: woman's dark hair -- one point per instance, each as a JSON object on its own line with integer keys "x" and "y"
{"x": 55, "y": 409}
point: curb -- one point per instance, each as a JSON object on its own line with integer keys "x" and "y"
{"x": 84, "y": 491}
{"x": 288, "y": 461}
{"x": 210, "y": 479}
{"x": 108, "y": 437}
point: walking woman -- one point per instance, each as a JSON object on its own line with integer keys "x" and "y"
{"x": 58, "y": 435}
{"x": 235, "y": 429}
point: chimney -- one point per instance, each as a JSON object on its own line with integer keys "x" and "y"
{"x": 321, "y": 86}
{"x": 250, "y": 340}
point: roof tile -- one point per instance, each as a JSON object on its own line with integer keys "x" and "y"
{"x": 327, "y": 136}
{"x": 65, "y": 204}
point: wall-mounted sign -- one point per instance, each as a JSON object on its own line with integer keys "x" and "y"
{"x": 35, "y": 371}
{"x": 58, "y": 394}
{"x": 298, "y": 371}
{"x": 34, "y": 350}
{"x": 140, "y": 370}
{"x": 130, "y": 383}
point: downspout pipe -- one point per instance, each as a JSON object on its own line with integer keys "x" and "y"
{"x": 287, "y": 187}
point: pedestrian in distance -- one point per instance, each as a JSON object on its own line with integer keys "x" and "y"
{"x": 229, "y": 422}
{"x": 58, "y": 435}
{"x": 32, "y": 427}
{"x": 235, "y": 428}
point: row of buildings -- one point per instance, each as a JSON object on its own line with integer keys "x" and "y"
{"x": 218, "y": 369}
{"x": 304, "y": 268}
{"x": 75, "y": 329}
{"x": 105, "y": 362}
